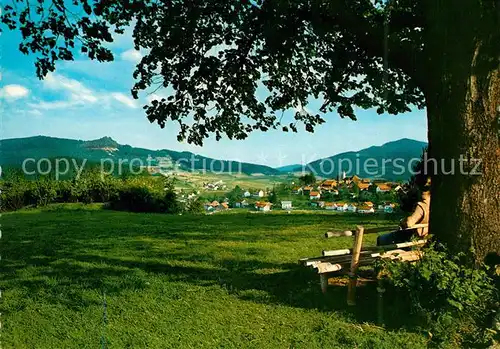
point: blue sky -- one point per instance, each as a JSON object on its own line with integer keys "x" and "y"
{"x": 84, "y": 99}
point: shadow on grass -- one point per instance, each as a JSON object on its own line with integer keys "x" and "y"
{"x": 71, "y": 267}
{"x": 292, "y": 285}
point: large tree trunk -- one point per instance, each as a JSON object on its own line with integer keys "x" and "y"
{"x": 463, "y": 104}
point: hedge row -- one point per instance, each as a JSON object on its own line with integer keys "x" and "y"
{"x": 136, "y": 194}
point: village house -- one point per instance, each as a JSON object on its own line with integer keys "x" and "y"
{"x": 286, "y": 205}
{"x": 297, "y": 190}
{"x": 365, "y": 209}
{"x": 314, "y": 195}
{"x": 328, "y": 185}
{"x": 382, "y": 205}
{"x": 341, "y": 206}
{"x": 363, "y": 186}
{"x": 263, "y": 206}
{"x": 215, "y": 186}
{"x": 151, "y": 169}
{"x": 352, "y": 207}
{"x": 355, "y": 179}
{"x": 211, "y": 206}
{"x": 351, "y": 180}
{"x": 223, "y": 206}
{"x": 259, "y": 194}
{"x": 330, "y": 206}
{"x": 307, "y": 189}
{"x": 211, "y": 186}
{"x": 383, "y": 188}
{"x": 247, "y": 194}
{"x": 319, "y": 204}
{"x": 241, "y": 204}
{"x": 389, "y": 208}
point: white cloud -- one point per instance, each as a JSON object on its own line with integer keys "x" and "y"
{"x": 35, "y": 112}
{"x": 77, "y": 90}
{"x": 131, "y": 55}
{"x": 56, "y": 104}
{"x": 78, "y": 95}
{"x": 120, "y": 97}
{"x": 13, "y": 92}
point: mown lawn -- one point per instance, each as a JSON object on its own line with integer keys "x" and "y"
{"x": 219, "y": 281}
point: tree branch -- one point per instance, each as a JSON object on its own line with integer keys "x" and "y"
{"x": 366, "y": 23}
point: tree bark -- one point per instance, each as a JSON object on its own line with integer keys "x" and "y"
{"x": 462, "y": 44}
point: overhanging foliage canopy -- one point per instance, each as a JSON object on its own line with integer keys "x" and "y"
{"x": 214, "y": 54}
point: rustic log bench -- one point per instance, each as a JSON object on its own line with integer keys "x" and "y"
{"x": 349, "y": 260}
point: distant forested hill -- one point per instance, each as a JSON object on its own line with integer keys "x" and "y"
{"x": 14, "y": 151}
{"x": 391, "y": 161}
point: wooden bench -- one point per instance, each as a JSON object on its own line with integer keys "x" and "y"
{"x": 349, "y": 260}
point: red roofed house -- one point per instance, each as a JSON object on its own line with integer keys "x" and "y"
{"x": 383, "y": 188}
{"x": 363, "y": 186}
{"x": 365, "y": 209}
{"x": 263, "y": 206}
{"x": 307, "y": 189}
{"x": 356, "y": 179}
{"x": 314, "y": 195}
{"x": 328, "y": 184}
{"x": 330, "y": 206}
{"x": 341, "y": 206}
{"x": 352, "y": 208}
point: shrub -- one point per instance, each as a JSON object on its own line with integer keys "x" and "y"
{"x": 170, "y": 202}
{"x": 137, "y": 199}
{"x": 454, "y": 301}
{"x": 102, "y": 189}
{"x": 138, "y": 193}
{"x": 41, "y": 192}
{"x": 195, "y": 206}
{"x": 13, "y": 196}
{"x": 273, "y": 198}
{"x": 92, "y": 186}
{"x": 152, "y": 183}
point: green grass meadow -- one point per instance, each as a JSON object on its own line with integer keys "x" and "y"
{"x": 218, "y": 281}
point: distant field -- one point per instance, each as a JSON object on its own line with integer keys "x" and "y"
{"x": 187, "y": 180}
{"x": 219, "y": 281}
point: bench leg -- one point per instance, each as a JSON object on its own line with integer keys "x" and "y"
{"x": 353, "y": 279}
{"x": 323, "y": 280}
{"x": 380, "y": 307}
{"x": 351, "y": 289}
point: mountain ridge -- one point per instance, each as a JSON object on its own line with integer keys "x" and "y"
{"x": 404, "y": 151}
{"x": 14, "y": 151}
